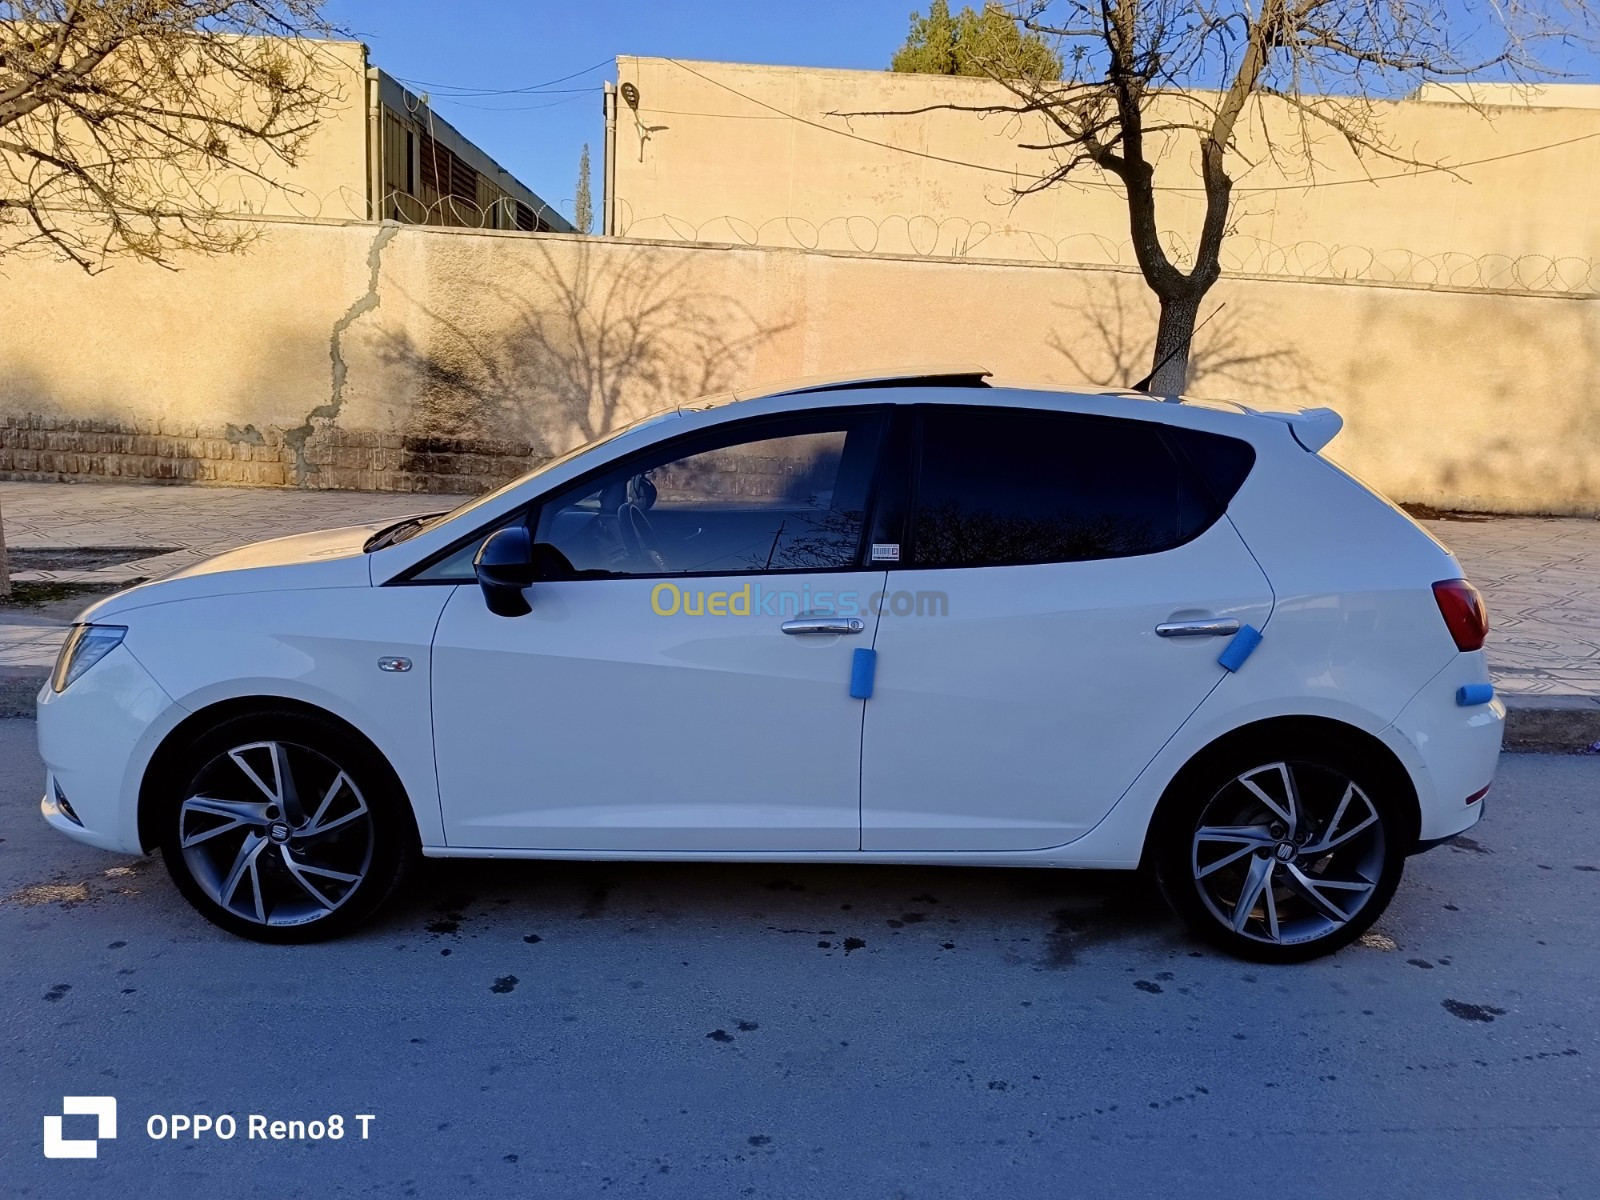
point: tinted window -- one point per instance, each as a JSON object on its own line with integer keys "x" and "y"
{"x": 1221, "y": 462}
{"x": 997, "y": 486}
{"x": 782, "y": 495}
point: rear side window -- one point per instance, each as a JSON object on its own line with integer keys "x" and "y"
{"x": 998, "y": 486}
{"x": 1222, "y": 463}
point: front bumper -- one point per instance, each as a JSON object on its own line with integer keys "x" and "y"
{"x": 96, "y": 738}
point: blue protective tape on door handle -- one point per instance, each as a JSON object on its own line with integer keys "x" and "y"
{"x": 863, "y": 667}
{"x": 1240, "y": 648}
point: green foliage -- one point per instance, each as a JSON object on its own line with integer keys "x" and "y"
{"x": 974, "y": 43}
{"x": 583, "y": 206}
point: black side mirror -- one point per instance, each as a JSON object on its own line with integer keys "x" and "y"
{"x": 505, "y": 567}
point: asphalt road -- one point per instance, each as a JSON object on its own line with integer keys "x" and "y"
{"x": 574, "y": 1030}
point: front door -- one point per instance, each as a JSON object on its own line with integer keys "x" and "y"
{"x": 1021, "y": 682}
{"x": 687, "y": 687}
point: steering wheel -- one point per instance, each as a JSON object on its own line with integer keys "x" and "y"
{"x": 639, "y": 537}
{"x": 622, "y": 532}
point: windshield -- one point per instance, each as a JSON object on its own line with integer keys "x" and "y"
{"x": 430, "y": 522}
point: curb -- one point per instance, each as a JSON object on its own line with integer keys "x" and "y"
{"x": 1552, "y": 724}
{"x": 1534, "y": 724}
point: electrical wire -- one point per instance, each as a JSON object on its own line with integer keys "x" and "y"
{"x": 1288, "y": 187}
{"x": 511, "y": 107}
{"x": 461, "y": 90}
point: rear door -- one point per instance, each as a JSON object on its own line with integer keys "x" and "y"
{"x": 1022, "y": 683}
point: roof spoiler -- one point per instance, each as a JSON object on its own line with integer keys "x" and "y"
{"x": 1313, "y": 428}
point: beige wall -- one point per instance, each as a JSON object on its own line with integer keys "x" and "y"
{"x": 382, "y": 356}
{"x": 724, "y": 153}
{"x": 328, "y": 181}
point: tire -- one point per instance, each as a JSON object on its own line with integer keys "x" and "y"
{"x": 301, "y": 863}
{"x": 1284, "y": 850}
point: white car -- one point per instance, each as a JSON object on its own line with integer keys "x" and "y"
{"x": 898, "y": 619}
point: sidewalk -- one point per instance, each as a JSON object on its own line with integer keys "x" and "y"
{"x": 1540, "y": 576}
{"x": 173, "y": 526}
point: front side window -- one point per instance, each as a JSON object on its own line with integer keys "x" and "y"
{"x": 786, "y": 494}
{"x": 1002, "y": 486}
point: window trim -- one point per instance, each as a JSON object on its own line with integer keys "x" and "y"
{"x": 524, "y": 513}
{"x": 1188, "y": 474}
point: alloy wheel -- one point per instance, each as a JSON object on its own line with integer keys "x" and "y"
{"x": 276, "y": 833}
{"x": 1288, "y": 853}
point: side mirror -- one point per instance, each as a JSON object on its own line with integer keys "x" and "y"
{"x": 505, "y": 567}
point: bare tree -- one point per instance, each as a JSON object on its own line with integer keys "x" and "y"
{"x": 118, "y": 116}
{"x": 1144, "y": 77}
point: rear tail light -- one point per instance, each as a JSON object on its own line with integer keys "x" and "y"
{"x": 1464, "y": 615}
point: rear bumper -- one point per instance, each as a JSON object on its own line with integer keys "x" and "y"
{"x": 95, "y": 739}
{"x": 1434, "y": 843}
{"x": 1458, "y": 747}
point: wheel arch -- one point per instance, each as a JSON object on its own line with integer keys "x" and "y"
{"x": 1275, "y": 731}
{"x": 158, "y": 771}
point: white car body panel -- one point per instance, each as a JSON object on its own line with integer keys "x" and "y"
{"x": 703, "y": 739}
{"x": 318, "y": 646}
{"x": 1018, "y": 720}
{"x": 95, "y": 741}
{"x": 593, "y": 723}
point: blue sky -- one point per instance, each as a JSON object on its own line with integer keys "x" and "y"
{"x": 517, "y": 43}
{"x": 475, "y": 44}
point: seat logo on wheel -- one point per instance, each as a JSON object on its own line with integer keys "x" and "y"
{"x": 1286, "y": 851}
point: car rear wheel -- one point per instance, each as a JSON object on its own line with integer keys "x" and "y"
{"x": 282, "y": 827}
{"x": 1283, "y": 857}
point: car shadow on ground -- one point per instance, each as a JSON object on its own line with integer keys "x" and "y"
{"x": 842, "y": 907}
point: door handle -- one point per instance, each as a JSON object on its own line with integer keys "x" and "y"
{"x": 824, "y": 625}
{"x": 1205, "y": 628}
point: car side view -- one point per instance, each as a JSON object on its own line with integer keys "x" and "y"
{"x": 903, "y": 618}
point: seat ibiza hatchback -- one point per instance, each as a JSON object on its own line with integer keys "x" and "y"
{"x": 901, "y": 619}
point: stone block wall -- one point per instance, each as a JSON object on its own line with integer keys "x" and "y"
{"x": 38, "y": 447}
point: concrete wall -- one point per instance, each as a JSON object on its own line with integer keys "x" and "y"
{"x": 330, "y": 178}
{"x": 418, "y": 359}
{"x": 746, "y": 154}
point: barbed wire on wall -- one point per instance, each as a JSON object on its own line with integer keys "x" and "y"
{"x": 460, "y": 212}
{"x": 928, "y": 236}
{"x": 253, "y": 197}
{"x": 957, "y": 238}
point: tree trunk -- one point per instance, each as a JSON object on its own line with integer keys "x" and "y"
{"x": 5, "y": 574}
{"x": 1170, "y": 361}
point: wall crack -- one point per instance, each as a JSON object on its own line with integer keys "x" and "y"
{"x": 297, "y": 437}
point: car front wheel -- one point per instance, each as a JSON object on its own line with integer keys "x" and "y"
{"x": 1283, "y": 857}
{"x": 283, "y": 827}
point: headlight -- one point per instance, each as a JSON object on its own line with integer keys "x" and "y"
{"x": 85, "y": 646}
